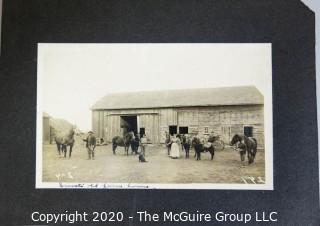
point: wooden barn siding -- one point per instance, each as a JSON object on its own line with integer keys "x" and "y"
{"x": 101, "y": 124}
{"x": 225, "y": 120}
{"x": 98, "y": 123}
{"x": 151, "y": 124}
{"x": 95, "y": 121}
{"x": 168, "y": 117}
{"x": 113, "y": 127}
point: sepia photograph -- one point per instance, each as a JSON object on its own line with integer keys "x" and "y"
{"x": 154, "y": 116}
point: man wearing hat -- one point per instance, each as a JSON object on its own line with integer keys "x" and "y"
{"x": 90, "y": 144}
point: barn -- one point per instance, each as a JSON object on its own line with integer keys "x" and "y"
{"x": 226, "y": 111}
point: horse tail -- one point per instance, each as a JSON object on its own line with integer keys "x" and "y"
{"x": 255, "y": 140}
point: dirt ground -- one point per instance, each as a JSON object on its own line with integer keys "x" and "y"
{"x": 108, "y": 168}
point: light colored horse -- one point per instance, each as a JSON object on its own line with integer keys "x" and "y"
{"x": 65, "y": 140}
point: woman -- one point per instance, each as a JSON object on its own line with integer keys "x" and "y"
{"x": 175, "y": 147}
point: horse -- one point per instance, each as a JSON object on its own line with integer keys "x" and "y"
{"x": 250, "y": 143}
{"x": 200, "y": 147}
{"x": 65, "y": 140}
{"x": 124, "y": 141}
{"x": 91, "y": 143}
{"x": 186, "y": 144}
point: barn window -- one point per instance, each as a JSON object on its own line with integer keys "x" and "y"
{"x": 183, "y": 130}
{"x": 142, "y": 131}
{"x": 173, "y": 130}
{"x": 247, "y": 130}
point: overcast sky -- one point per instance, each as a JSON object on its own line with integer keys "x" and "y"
{"x": 72, "y": 77}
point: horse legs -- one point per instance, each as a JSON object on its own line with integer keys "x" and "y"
{"x": 64, "y": 150}
{"x": 254, "y": 154}
{"x": 187, "y": 149}
{"x": 134, "y": 149}
{"x": 114, "y": 146}
{"x": 70, "y": 150}
{"x": 212, "y": 153}
{"x": 242, "y": 156}
{"x": 249, "y": 156}
{"x": 89, "y": 153}
{"x": 58, "y": 146}
{"x": 198, "y": 155}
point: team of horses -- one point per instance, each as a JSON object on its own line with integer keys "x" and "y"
{"x": 248, "y": 144}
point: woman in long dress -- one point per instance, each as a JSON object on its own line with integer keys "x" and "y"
{"x": 175, "y": 147}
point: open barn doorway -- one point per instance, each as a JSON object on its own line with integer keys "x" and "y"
{"x": 129, "y": 123}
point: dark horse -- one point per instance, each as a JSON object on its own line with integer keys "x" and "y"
{"x": 250, "y": 145}
{"x": 124, "y": 141}
{"x": 186, "y": 144}
{"x": 65, "y": 140}
{"x": 200, "y": 147}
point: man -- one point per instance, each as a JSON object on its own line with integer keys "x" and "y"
{"x": 135, "y": 143}
{"x": 90, "y": 144}
{"x": 168, "y": 142}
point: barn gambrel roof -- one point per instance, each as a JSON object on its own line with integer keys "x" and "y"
{"x": 239, "y": 95}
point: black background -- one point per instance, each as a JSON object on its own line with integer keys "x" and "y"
{"x": 288, "y": 25}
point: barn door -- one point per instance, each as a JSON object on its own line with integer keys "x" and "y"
{"x": 150, "y": 124}
{"x": 113, "y": 127}
{"x": 226, "y": 133}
